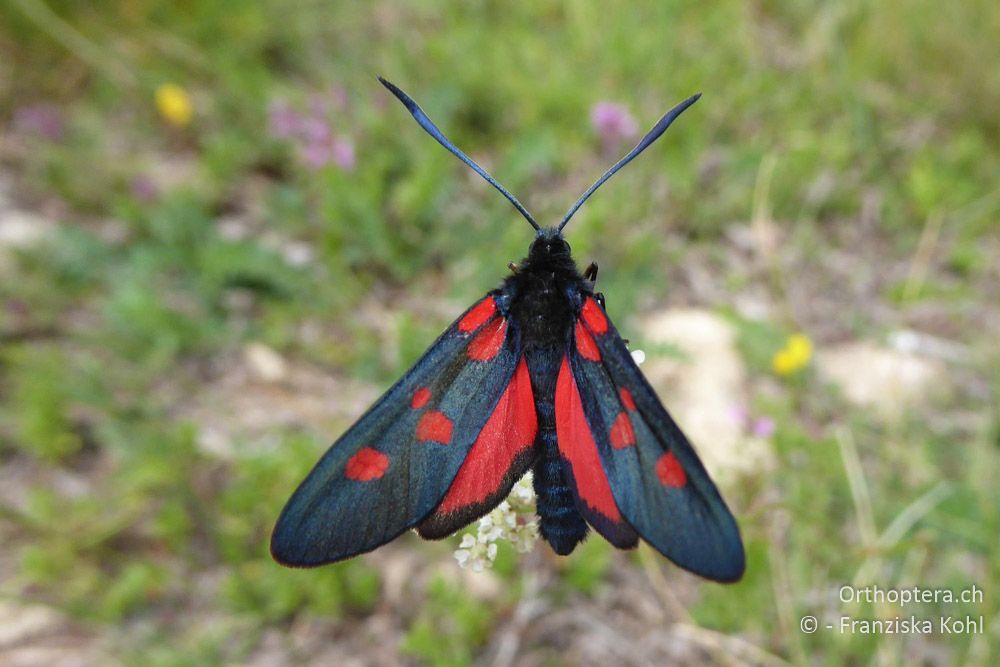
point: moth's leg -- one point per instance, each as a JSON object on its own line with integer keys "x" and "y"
{"x": 513, "y": 267}
{"x": 590, "y": 275}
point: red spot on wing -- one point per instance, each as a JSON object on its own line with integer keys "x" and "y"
{"x": 488, "y": 342}
{"x": 627, "y": 399}
{"x": 435, "y": 426}
{"x": 670, "y": 471}
{"x": 577, "y": 445}
{"x": 585, "y": 344}
{"x": 509, "y": 431}
{"x": 621, "y": 434}
{"x": 367, "y": 464}
{"x": 594, "y": 317}
{"x": 477, "y": 315}
{"x": 420, "y": 398}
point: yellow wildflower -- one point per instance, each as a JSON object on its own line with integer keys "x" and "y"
{"x": 174, "y": 104}
{"x": 794, "y": 356}
{"x": 782, "y": 363}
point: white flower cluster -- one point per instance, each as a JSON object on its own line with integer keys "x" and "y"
{"x": 513, "y": 520}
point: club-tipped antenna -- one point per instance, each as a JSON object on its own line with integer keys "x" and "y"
{"x": 432, "y": 129}
{"x": 650, "y": 137}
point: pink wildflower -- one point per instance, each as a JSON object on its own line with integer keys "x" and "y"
{"x": 42, "y": 119}
{"x": 613, "y": 123}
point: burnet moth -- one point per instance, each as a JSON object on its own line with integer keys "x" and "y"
{"x": 532, "y": 377}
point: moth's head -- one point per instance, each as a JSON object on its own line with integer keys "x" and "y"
{"x": 548, "y": 243}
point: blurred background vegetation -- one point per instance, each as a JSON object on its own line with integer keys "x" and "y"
{"x": 220, "y": 238}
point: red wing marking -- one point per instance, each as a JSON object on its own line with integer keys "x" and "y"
{"x": 594, "y": 316}
{"x": 435, "y": 426}
{"x": 366, "y": 464}
{"x": 621, "y": 434}
{"x": 488, "y": 342}
{"x": 585, "y": 344}
{"x": 510, "y": 430}
{"x": 577, "y": 445}
{"x": 670, "y": 471}
{"x": 420, "y": 398}
{"x": 627, "y": 399}
{"x": 478, "y": 315}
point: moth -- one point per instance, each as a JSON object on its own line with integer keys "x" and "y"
{"x": 532, "y": 377}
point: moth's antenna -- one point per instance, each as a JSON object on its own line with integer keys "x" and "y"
{"x": 432, "y": 129}
{"x": 650, "y": 137}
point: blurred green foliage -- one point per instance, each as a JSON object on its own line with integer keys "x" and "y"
{"x": 178, "y": 245}
{"x": 449, "y": 627}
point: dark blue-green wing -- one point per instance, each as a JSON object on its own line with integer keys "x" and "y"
{"x": 400, "y": 464}
{"x": 658, "y": 483}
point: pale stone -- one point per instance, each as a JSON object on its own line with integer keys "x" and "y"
{"x": 33, "y": 634}
{"x": 21, "y": 623}
{"x": 887, "y": 380}
{"x": 265, "y": 362}
{"x": 23, "y": 229}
